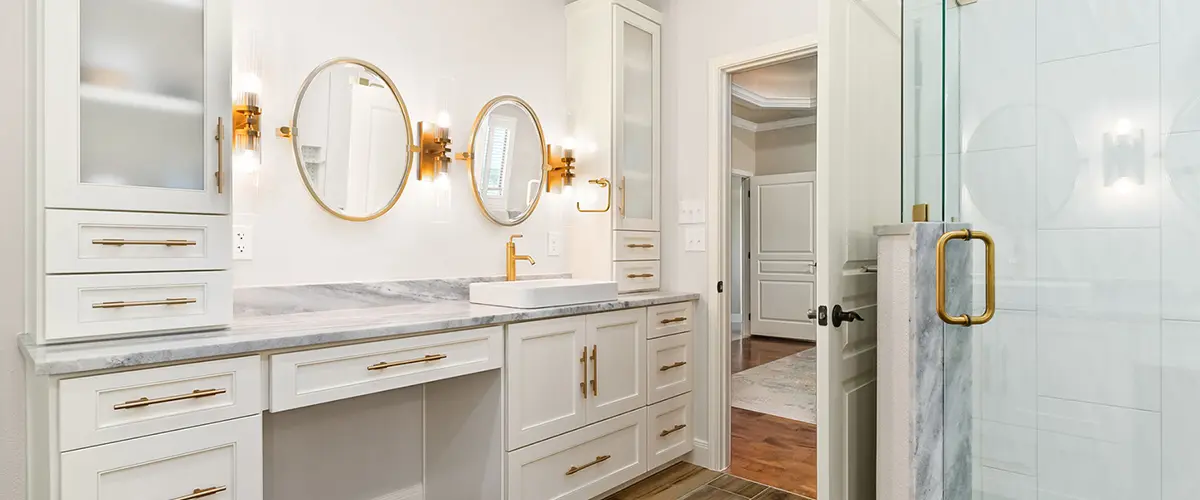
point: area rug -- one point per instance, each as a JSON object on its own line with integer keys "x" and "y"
{"x": 786, "y": 387}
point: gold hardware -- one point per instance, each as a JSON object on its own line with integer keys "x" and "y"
{"x": 202, "y": 492}
{"x": 644, "y": 275}
{"x": 220, "y": 155}
{"x": 425, "y": 359}
{"x": 560, "y": 169}
{"x": 291, "y": 132}
{"x": 119, "y": 241}
{"x": 990, "y": 308}
{"x": 602, "y": 182}
{"x": 598, "y": 459}
{"x": 622, "y": 207}
{"x": 245, "y": 126}
{"x": 640, "y": 245}
{"x": 673, "y": 320}
{"x": 433, "y": 151}
{"x": 676, "y": 364}
{"x": 595, "y": 371}
{"x": 668, "y": 432}
{"x": 469, "y": 157}
{"x": 511, "y": 258}
{"x": 583, "y": 361}
{"x": 143, "y": 402}
{"x": 140, "y": 303}
{"x": 920, "y": 212}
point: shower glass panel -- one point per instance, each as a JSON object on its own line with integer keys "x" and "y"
{"x": 930, "y": 109}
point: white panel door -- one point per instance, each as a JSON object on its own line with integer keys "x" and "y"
{"x": 782, "y": 255}
{"x": 636, "y": 130}
{"x": 545, "y": 375}
{"x": 616, "y": 362}
{"x": 858, "y": 171}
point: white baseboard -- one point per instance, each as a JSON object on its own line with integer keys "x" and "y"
{"x": 701, "y": 455}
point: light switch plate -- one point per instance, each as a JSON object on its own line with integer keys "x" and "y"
{"x": 694, "y": 239}
{"x": 691, "y": 212}
{"x": 553, "y": 244}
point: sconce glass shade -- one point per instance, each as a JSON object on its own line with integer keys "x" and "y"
{"x": 1125, "y": 156}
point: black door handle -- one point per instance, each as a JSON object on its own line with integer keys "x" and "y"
{"x": 840, "y": 316}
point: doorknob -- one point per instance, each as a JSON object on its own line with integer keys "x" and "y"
{"x": 812, "y": 314}
{"x": 840, "y": 316}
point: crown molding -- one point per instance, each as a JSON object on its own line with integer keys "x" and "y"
{"x": 755, "y": 99}
{"x": 745, "y": 124}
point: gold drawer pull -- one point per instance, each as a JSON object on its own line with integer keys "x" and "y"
{"x": 121, "y": 241}
{"x": 140, "y": 303}
{"x": 578, "y": 468}
{"x": 640, "y": 245}
{"x": 384, "y": 364}
{"x": 143, "y": 402}
{"x": 676, "y": 364}
{"x": 673, "y": 320}
{"x": 668, "y": 432}
{"x": 644, "y": 275}
{"x": 202, "y": 492}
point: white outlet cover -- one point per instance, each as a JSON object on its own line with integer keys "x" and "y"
{"x": 694, "y": 239}
{"x": 243, "y": 242}
{"x": 553, "y": 244}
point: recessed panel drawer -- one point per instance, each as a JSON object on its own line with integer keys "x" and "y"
{"x": 668, "y": 366}
{"x": 81, "y": 306}
{"x": 635, "y": 245}
{"x": 669, "y": 430}
{"x": 98, "y": 242}
{"x": 316, "y": 376}
{"x": 581, "y": 464}
{"x": 636, "y": 276}
{"x": 112, "y": 407}
{"x": 667, "y": 319}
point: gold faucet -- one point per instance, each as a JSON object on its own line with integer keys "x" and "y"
{"x": 511, "y": 258}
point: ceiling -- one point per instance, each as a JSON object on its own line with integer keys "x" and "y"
{"x": 796, "y": 79}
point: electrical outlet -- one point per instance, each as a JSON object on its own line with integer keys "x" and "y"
{"x": 694, "y": 237}
{"x": 243, "y": 242}
{"x": 553, "y": 244}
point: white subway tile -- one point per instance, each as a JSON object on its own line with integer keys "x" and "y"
{"x": 1097, "y": 452}
{"x": 1069, "y": 28}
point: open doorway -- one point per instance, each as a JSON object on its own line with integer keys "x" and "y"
{"x": 771, "y": 200}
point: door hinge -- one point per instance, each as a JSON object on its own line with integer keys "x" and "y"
{"x": 720, "y": 287}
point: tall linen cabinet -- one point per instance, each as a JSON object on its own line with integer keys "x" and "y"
{"x": 613, "y": 51}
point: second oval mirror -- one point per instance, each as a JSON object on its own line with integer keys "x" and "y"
{"x": 507, "y": 160}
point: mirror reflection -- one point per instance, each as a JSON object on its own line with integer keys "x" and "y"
{"x": 507, "y": 160}
{"x": 351, "y": 138}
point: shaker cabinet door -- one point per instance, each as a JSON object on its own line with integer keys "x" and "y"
{"x": 616, "y": 363}
{"x": 545, "y": 376}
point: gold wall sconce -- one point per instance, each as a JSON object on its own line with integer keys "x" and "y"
{"x": 560, "y": 168}
{"x": 433, "y": 149}
{"x": 604, "y": 183}
{"x": 246, "y": 115}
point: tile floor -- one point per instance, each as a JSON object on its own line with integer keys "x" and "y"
{"x": 684, "y": 481}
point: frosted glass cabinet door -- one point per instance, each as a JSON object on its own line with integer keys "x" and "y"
{"x": 636, "y": 126}
{"x": 134, "y": 90}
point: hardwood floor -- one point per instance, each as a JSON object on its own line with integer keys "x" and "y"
{"x": 684, "y": 481}
{"x": 767, "y": 449}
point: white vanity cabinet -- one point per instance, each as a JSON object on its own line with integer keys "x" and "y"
{"x": 613, "y": 49}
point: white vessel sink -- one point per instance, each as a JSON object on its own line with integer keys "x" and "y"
{"x": 532, "y": 294}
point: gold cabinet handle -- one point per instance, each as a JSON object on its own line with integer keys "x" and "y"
{"x": 622, "y": 197}
{"x": 668, "y": 432}
{"x": 990, "y": 308}
{"x": 676, "y": 364}
{"x": 583, "y": 361}
{"x": 143, "y": 402}
{"x": 220, "y": 155}
{"x": 202, "y": 492}
{"x": 577, "y": 468}
{"x": 595, "y": 371}
{"x": 142, "y": 303}
{"x": 602, "y": 182}
{"x": 678, "y": 319}
{"x": 640, "y": 245}
{"x": 121, "y": 241}
{"x": 425, "y": 359}
{"x": 644, "y": 275}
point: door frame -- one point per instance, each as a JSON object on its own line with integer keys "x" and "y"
{"x": 743, "y": 286}
{"x": 719, "y": 173}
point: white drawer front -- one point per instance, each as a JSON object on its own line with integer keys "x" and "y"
{"x": 581, "y": 464}
{"x": 117, "y": 406}
{"x": 668, "y": 319}
{"x": 95, "y": 242}
{"x": 636, "y": 276}
{"x": 223, "y": 458}
{"x": 321, "y": 375}
{"x": 635, "y": 245}
{"x": 668, "y": 366}
{"x": 93, "y": 305}
{"x": 669, "y": 430}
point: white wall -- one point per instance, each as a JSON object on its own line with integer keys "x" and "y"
{"x": 743, "y": 150}
{"x": 430, "y": 62}
{"x": 12, "y": 218}
{"x": 694, "y": 32}
{"x": 786, "y": 150}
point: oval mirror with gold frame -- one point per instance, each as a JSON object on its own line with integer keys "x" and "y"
{"x": 506, "y": 158}
{"x": 351, "y": 136}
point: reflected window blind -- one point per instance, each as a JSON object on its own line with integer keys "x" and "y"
{"x": 497, "y": 160}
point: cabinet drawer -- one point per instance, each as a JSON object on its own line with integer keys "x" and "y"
{"x": 580, "y": 464}
{"x": 98, "y": 242}
{"x": 635, "y": 245}
{"x": 92, "y": 305}
{"x": 668, "y": 366}
{"x": 667, "y": 319}
{"x": 668, "y": 430}
{"x": 636, "y": 276}
{"x": 117, "y": 406}
{"x": 222, "y": 459}
{"x": 321, "y": 375}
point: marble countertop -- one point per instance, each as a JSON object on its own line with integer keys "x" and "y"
{"x": 276, "y": 318}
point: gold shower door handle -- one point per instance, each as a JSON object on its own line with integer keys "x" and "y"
{"x": 990, "y": 277}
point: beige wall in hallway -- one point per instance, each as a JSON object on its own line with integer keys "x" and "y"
{"x": 786, "y": 150}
